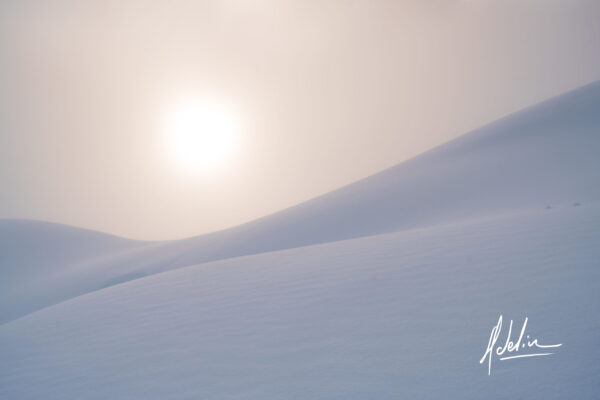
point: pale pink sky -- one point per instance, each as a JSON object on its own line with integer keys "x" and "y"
{"x": 328, "y": 91}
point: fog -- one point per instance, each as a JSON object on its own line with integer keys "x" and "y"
{"x": 327, "y": 92}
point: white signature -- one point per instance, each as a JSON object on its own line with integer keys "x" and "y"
{"x": 510, "y": 346}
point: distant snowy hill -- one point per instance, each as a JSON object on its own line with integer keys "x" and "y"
{"x": 386, "y": 288}
{"x": 32, "y": 252}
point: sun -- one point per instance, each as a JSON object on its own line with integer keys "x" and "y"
{"x": 202, "y": 135}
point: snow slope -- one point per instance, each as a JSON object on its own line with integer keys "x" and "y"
{"x": 544, "y": 155}
{"x": 33, "y": 252}
{"x": 403, "y": 315}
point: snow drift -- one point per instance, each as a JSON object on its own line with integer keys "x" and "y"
{"x": 33, "y": 252}
{"x": 388, "y": 288}
{"x": 544, "y": 155}
{"x": 402, "y": 315}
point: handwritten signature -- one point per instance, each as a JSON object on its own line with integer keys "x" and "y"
{"x": 511, "y": 347}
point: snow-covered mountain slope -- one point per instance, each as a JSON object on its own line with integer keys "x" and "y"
{"x": 32, "y": 252}
{"x": 403, "y": 315}
{"x": 544, "y": 155}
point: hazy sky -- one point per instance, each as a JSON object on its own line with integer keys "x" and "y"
{"x": 326, "y": 92}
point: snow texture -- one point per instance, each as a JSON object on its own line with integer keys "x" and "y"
{"x": 387, "y": 288}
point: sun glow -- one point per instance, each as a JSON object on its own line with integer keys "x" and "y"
{"x": 202, "y": 135}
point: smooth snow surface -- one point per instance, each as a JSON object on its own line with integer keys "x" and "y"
{"x": 544, "y": 155}
{"x": 34, "y": 253}
{"x": 387, "y": 288}
{"x": 400, "y": 315}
